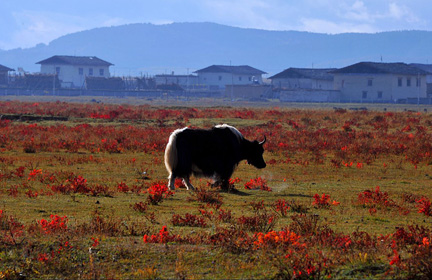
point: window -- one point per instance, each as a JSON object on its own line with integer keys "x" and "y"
{"x": 220, "y": 78}
{"x": 250, "y": 79}
{"x": 364, "y": 94}
{"x": 399, "y": 82}
{"x": 418, "y": 82}
{"x": 57, "y": 70}
{"x": 80, "y": 71}
{"x": 369, "y": 83}
{"x": 101, "y": 72}
{"x": 408, "y": 82}
{"x": 380, "y": 95}
{"x": 240, "y": 78}
{"x": 90, "y": 71}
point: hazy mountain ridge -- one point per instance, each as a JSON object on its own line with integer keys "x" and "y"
{"x": 186, "y": 47}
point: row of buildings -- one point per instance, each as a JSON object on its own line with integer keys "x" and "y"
{"x": 360, "y": 82}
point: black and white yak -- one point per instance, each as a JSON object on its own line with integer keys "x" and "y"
{"x": 212, "y": 153}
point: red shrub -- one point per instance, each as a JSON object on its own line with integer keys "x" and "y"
{"x": 33, "y": 174}
{"x": 274, "y": 239}
{"x": 56, "y": 224}
{"x": 140, "y": 207}
{"x": 13, "y": 191}
{"x": 100, "y": 190}
{"x": 122, "y": 187}
{"x": 262, "y": 220}
{"x": 163, "y": 237}
{"x": 31, "y": 194}
{"x": 257, "y": 184}
{"x": 371, "y": 198}
{"x": 321, "y": 201}
{"x": 158, "y": 192}
{"x": 281, "y": 206}
{"x": 425, "y": 206}
{"x": 64, "y": 189}
{"x": 19, "y": 172}
{"x": 232, "y": 240}
{"x": 11, "y": 231}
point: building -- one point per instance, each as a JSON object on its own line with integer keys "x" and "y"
{"x": 184, "y": 81}
{"x": 303, "y": 78}
{"x": 4, "y": 75}
{"x": 380, "y": 82}
{"x": 73, "y": 70}
{"x": 427, "y": 68}
{"x": 216, "y": 77}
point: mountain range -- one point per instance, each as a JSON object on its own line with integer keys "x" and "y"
{"x": 148, "y": 49}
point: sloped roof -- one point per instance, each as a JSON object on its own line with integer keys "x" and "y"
{"x": 425, "y": 67}
{"x": 75, "y": 60}
{"x": 380, "y": 68}
{"x": 240, "y": 70}
{"x": 5, "y": 69}
{"x": 305, "y": 73}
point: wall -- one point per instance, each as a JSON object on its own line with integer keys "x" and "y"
{"x": 309, "y": 95}
{"x": 248, "y": 91}
{"x": 291, "y": 83}
{"x": 69, "y": 74}
{"x": 355, "y": 87}
{"x": 212, "y": 79}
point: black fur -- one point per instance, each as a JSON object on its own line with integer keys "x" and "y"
{"x": 214, "y": 153}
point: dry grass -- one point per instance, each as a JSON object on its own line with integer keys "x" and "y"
{"x": 111, "y": 219}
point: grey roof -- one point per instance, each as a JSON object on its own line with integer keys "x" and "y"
{"x": 240, "y": 70}
{"x": 425, "y": 67}
{"x": 305, "y": 73}
{"x": 5, "y": 69}
{"x": 75, "y": 60}
{"x": 380, "y": 68}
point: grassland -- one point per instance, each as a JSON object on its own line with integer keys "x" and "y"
{"x": 75, "y": 195}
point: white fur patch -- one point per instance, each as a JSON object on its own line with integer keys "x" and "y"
{"x": 232, "y": 128}
{"x": 171, "y": 151}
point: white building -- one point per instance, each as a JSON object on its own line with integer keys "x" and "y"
{"x": 380, "y": 82}
{"x": 427, "y": 68}
{"x": 216, "y": 77}
{"x": 72, "y": 70}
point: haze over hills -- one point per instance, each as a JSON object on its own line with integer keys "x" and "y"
{"x": 140, "y": 49}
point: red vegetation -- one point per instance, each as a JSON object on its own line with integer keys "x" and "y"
{"x": 257, "y": 184}
{"x": 157, "y": 193}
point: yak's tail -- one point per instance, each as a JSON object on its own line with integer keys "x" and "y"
{"x": 171, "y": 157}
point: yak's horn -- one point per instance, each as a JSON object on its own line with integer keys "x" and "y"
{"x": 265, "y": 139}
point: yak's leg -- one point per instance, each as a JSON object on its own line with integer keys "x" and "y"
{"x": 224, "y": 184}
{"x": 224, "y": 178}
{"x": 171, "y": 182}
{"x": 188, "y": 184}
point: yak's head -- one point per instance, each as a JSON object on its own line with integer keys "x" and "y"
{"x": 254, "y": 154}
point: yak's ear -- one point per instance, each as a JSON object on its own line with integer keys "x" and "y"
{"x": 262, "y": 142}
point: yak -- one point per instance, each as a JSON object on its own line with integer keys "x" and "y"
{"x": 212, "y": 153}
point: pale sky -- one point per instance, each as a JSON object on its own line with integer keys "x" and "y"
{"x": 26, "y": 23}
